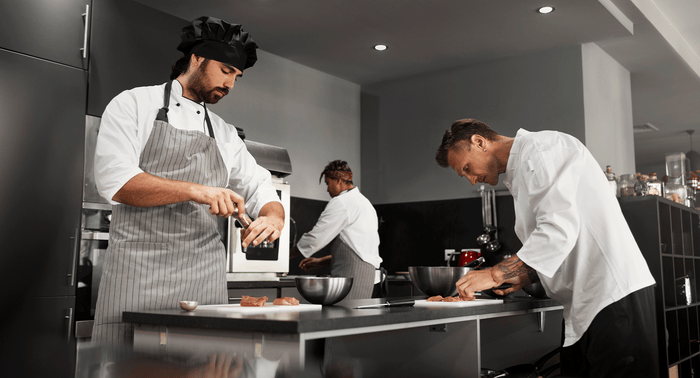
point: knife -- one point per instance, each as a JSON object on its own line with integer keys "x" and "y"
{"x": 396, "y": 303}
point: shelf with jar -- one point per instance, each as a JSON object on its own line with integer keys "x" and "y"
{"x": 668, "y": 234}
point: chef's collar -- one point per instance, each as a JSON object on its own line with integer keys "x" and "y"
{"x": 179, "y": 93}
{"x": 513, "y": 156}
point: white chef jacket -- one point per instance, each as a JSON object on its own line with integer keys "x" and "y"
{"x": 571, "y": 226}
{"x": 127, "y": 123}
{"x": 351, "y": 217}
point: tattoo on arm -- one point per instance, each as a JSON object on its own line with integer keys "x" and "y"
{"x": 517, "y": 268}
{"x": 532, "y": 275}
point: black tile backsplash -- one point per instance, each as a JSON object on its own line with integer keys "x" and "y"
{"x": 417, "y": 233}
{"x": 305, "y": 213}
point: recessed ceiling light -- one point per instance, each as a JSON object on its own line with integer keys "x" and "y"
{"x": 380, "y": 47}
{"x": 545, "y": 10}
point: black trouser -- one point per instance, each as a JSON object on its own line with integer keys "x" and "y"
{"x": 620, "y": 342}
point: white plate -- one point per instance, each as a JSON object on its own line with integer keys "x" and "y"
{"x": 476, "y": 302}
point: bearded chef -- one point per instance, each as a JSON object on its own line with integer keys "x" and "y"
{"x": 576, "y": 242}
{"x": 170, "y": 167}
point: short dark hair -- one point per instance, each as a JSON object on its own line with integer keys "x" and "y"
{"x": 462, "y": 130}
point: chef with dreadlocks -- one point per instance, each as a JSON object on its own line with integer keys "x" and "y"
{"x": 349, "y": 224}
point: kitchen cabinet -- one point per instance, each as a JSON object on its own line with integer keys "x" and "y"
{"x": 48, "y": 29}
{"x": 41, "y": 162}
{"x": 38, "y": 338}
{"x": 668, "y": 235}
{"x": 132, "y": 45}
{"x": 42, "y": 102}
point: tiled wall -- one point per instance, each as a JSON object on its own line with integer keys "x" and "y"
{"x": 305, "y": 213}
{"x": 417, "y": 233}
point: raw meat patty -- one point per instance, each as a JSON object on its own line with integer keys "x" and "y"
{"x": 286, "y": 301}
{"x": 253, "y": 301}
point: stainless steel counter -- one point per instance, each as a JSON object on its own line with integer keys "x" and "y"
{"x": 296, "y": 338}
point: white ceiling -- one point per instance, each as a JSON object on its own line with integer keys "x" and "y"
{"x": 337, "y": 37}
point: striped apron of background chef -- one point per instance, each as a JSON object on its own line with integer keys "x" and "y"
{"x": 158, "y": 256}
{"x": 346, "y": 263}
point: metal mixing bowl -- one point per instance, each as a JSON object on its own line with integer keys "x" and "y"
{"x": 437, "y": 280}
{"x": 324, "y": 290}
{"x": 535, "y": 290}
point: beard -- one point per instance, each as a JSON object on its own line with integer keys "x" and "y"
{"x": 492, "y": 166}
{"x": 200, "y": 86}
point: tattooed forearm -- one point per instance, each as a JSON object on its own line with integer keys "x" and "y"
{"x": 515, "y": 268}
{"x": 532, "y": 275}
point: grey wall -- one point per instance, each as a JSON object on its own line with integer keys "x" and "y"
{"x": 315, "y": 116}
{"x": 607, "y": 98}
{"x": 403, "y": 120}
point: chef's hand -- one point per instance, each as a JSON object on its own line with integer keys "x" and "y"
{"x": 222, "y": 202}
{"x": 511, "y": 270}
{"x": 314, "y": 262}
{"x": 473, "y": 281}
{"x": 268, "y": 226}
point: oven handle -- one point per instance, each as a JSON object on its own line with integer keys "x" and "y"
{"x": 94, "y": 235}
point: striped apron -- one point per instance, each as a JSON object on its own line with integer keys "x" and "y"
{"x": 346, "y": 263}
{"x": 158, "y": 256}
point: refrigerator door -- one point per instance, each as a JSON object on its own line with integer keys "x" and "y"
{"x": 41, "y": 170}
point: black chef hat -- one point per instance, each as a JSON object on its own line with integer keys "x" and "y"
{"x": 217, "y": 39}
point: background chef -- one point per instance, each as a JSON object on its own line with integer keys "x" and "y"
{"x": 349, "y": 223}
{"x": 169, "y": 167}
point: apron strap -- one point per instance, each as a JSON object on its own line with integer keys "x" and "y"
{"x": 206, "y": 118}
{"x": 163, "y": 112}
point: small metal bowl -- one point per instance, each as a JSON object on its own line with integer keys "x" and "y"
{"x": 324, "y": 290}
{"x": 188, "y": 305}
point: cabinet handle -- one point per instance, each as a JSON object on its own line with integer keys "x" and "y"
{"x": 86, "y": 15}
{"x": 70, "y": 324}
{"x": 75, "y": 255}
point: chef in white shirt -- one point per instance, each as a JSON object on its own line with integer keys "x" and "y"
{"x": 576, "y": 242}
{"x": 170, "y": 167}
{"x": 349, "y": 223}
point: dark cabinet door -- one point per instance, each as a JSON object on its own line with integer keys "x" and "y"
{"x": 38, "y": 338}
{"x": 42, "y": 132}
{"x": 132, "y": 45}
{"x": 48, "y": 29}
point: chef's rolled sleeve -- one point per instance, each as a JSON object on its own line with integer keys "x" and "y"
{"x": 250, "y": 181}
{"x": 118, "y": 147}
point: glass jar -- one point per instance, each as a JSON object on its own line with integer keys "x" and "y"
{"x": 626, "y": 185}
{"x": 654, "y": 186}
{"x": 640, "y": 187}
{"x": 675, "y": 190}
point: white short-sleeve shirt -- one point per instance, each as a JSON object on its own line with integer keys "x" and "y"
{"x": 350, "y": 216}
{"x": 571, "y": 226}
